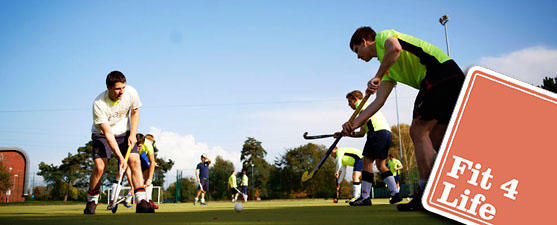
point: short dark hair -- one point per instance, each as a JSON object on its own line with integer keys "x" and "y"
{"x": 355, "y": 95}
{"x": 115, "y": 77}
{"x": 140, "y": 138}
{"x": 360, "y": 34}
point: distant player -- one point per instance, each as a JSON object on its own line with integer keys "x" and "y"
{"x": 232, "y": 184}
{"x": 244, "y": 186}
{"x": 112, "y": 132}
{"x": 349, "y": 157}
{"x": 395, "y": 166}
{"x": 147, "y": 157}
{"x": 376, "y": 148}
{"x": 202, "y": 176}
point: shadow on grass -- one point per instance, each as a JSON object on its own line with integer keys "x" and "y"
{"x": 380, "y": 214}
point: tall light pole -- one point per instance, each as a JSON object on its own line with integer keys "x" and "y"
{"x": 443, "y": 20}
{"x": 253, "y": 182}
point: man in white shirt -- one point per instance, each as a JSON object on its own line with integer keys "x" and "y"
{"x": 112, "y": 132}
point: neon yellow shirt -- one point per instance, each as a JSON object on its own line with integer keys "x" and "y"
{"x": 394, "y": 164}
{"x": 378, "y": 121}
{"x": 147, "y": 147}
{"x": 416, "y": 56}
{"x": 244, "y": 180}
{"x": 232, "y": 181}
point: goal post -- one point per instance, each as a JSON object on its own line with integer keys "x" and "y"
{"x": 156, "y": 195}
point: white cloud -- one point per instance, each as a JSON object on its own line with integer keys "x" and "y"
{"x": 529, "y": 65}
{"x": 186, "y": 152}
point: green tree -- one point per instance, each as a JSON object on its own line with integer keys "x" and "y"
{"x": 189, "y": 189}
{"x": 254, "y": 154}
{"x": 219, "y": 172}
{"x": 5, "y": 181}
{"x": 292, "y": 165}
{"x": 64, "y": 177}
{"x": 161, "y": 168}
{"x": 549, "y": 84}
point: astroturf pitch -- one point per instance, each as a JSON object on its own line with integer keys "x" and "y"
{"x": 306, "y": 211}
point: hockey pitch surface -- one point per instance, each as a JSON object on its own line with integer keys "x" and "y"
{"x": 306, "y": 211}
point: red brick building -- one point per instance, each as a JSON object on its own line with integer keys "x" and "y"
{"x": 15, "y": 160}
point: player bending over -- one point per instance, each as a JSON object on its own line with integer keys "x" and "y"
{"x": 147, "y": 157}
{"x": 421, "y": 65}
{"x": 349, "y": 157}
{"x": 376, "y": 148}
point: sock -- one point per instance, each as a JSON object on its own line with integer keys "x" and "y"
{"x": 389, "y": 179}
{"x": 235, "y": 197}
{"x": 129, "y": 197}
{"x": 245, "y": 198}
{"x": 149, "y": 192}
{"x": 139, "y": 194}
{"x": 196, "y": 199}
{"x": 357, "y": 189}
{"x": 113, "y": 190}
{"x": 367, "y": 181}
{"x": 422, "y": 182}
{"x": 93, "y": 196}
{"x": 202, "y": 200}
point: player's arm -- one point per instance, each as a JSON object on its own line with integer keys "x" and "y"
{"x": 151, "y": 169}
{"x": 197, "y": 176}
{"x": 105, "y": 128}
{"x": 398, "y": 166}
{"x": 134, "y": 122}
{"x": 392, "y": 52}
{"x": 382, "y": 94}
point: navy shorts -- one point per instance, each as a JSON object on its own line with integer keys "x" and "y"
{"x": 397, "y": 178}
{"x": 144, "y": 161}
{"x": 439, "y": 92}
{"x": 378, "y": 144}
{"x": 204, "y": 184}
{"x": 359, "y": 165}
{"x": 101, "y": 149}
{"x": 244, "y": 189}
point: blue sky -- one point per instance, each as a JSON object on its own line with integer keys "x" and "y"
{"x": 211, "y": 73}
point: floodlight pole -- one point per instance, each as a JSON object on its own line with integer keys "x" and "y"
{"x": 253, "y": 182}
{"x": 443, "y": 20}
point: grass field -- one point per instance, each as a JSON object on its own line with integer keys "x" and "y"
{"x": 262, "y": 212}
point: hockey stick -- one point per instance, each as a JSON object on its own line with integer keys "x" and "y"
{"x": 316, "y": 136}
{"x": 114, "y": 205}
{"x": 308, "y": 175}
{"x": 240, "y": 192}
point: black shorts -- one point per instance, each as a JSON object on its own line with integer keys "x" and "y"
{"x": 439, "y": 92}
{"x": 101, "y": 149}
{"x": 234, "y": 191}
{"x": 377, "y": 144}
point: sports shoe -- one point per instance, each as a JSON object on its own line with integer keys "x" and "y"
{"x": 203, "y": 202}
{"x": 195, "y": 202}
{"x": 395, "y": 198}
{"x": 153, "y": 204}
{"x": 352, "y": 200}
{"x": 414, "y": 205}
{"x": 90, "y": 208}
{"x": 144, "y": 207}
{"x": 361, "y": 202}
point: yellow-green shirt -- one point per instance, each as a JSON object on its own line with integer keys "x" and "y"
{"x": 394, "y": 164}
{"x": 232, "y": 181}
{"x": 244, "y": 180}
{"x": 378, "y": 121}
